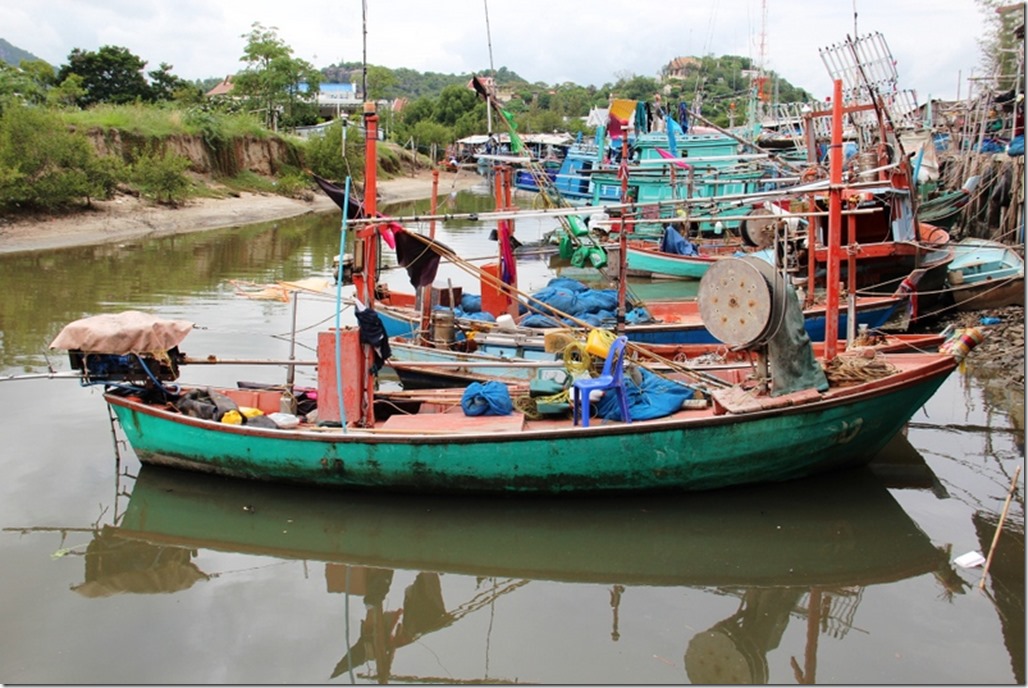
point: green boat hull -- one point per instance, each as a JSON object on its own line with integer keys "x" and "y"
{"x": 681, "y": 452}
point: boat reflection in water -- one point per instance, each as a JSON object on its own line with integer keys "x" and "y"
{"x": 803, "y": 549}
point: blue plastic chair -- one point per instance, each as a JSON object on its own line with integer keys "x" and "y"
{"x": 612, "y": 377}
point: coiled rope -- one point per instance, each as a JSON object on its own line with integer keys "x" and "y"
{"x": 863, "y": 365}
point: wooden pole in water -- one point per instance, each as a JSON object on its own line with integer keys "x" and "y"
{"x": 999, "y": 528}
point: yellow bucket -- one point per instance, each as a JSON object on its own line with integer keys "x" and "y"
{"x": 598, "y": 342}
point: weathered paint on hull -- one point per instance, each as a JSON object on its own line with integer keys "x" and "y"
{"x": 672, "y": 454}
{"x": 989, "y": 295}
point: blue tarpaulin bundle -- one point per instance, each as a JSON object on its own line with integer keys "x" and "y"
{"x": 1016, "y": 146}
{"x": 656, "y": 397}
{"x": 596, "y": 307}
{"x": 674, "y": 242}
{"x": 471, "y": 303}
{"x": 490, "y": 398}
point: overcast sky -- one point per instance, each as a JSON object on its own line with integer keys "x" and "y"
{"x": 934, "y": 42}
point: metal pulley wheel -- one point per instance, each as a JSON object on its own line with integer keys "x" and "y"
{"x": 758, "y": 230}
{"x": 735, "y": 301}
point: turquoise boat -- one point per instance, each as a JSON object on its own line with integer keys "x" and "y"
{"x": 438, "y": 450}
{"x": 795, "y": 418}
{"x": 985, "y": 274}
{"x": 645, "y": 259}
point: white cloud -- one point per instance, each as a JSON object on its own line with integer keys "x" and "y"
{"x": 933, "y": 41}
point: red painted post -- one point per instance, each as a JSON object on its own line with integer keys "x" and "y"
{"x": 834, "y": 226}
{"x": 367, "y": 415}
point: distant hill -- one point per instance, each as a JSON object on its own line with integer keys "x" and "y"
{"x": 13, "y": 55}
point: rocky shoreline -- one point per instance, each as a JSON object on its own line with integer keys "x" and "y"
{"x": 1001, "y": 354}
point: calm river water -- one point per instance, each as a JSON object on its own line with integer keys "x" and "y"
{"x": 116, "y": 574}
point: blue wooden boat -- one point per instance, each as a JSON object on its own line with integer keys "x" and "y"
{"x": 985, "y": 274}
{"x": 671, "y": 321}
{"x": 572, "y": 180}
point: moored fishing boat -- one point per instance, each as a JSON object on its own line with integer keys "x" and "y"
{"x": 663, "y": 436}
{"x": 985, "y": 274}
{"x": 648, "y": 259}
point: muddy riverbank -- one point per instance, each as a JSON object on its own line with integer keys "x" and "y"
{"x": 129, "y": 218}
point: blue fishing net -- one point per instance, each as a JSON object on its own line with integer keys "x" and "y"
{"x": 486, "y": 399}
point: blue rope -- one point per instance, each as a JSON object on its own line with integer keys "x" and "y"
{"x": 339, "y": 306}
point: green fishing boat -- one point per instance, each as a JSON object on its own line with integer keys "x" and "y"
{"x": 794, "y": 419}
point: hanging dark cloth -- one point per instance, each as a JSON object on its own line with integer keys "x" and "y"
{"x": 419, "y": 255}
{"x": 373, "y": 333}
{"x": 338, "y": 195}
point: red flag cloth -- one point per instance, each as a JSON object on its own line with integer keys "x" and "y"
{"x": 508, "y": 265}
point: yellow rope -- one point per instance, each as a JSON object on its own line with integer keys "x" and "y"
{"x": 576, "y": 358}
{"x": 862, "y": 366}
{"x": 529, "y": 405}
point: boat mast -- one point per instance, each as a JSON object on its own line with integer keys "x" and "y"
{"x": 489, "y": 41}
{"x": 369, "y": 236}
{"x": 834, "y": 225}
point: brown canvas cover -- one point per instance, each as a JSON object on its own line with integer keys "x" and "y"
{"x": 122, "y": 333}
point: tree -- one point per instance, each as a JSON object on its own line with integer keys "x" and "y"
{"x": 67, "y": 93}
{"x": 161, "y": 175}
{"x": 998, "y": 42}
{"x": 380, "y": 82}
{"x": 110, "y": 75}
{"x": 41, "y": 76}
{"x": 15, "y": 83}
{"x": 165, "y": 85}
{"x": 427, "y": 133}
{"x": 273, "y": 79}
{"x": 637, "y": 88}
{"x": 453, "y": 103}
{"x": 325, "y": 156}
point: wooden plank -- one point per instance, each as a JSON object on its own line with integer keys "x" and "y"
{"x": 736, "y": 400}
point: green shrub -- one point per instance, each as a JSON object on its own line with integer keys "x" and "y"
{"x": 44, "y": 165}
{"x": 324, "y": 153}
{"x": 161, "y": 176}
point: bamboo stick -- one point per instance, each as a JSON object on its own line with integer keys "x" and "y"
{"x": 999, "y": 528}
